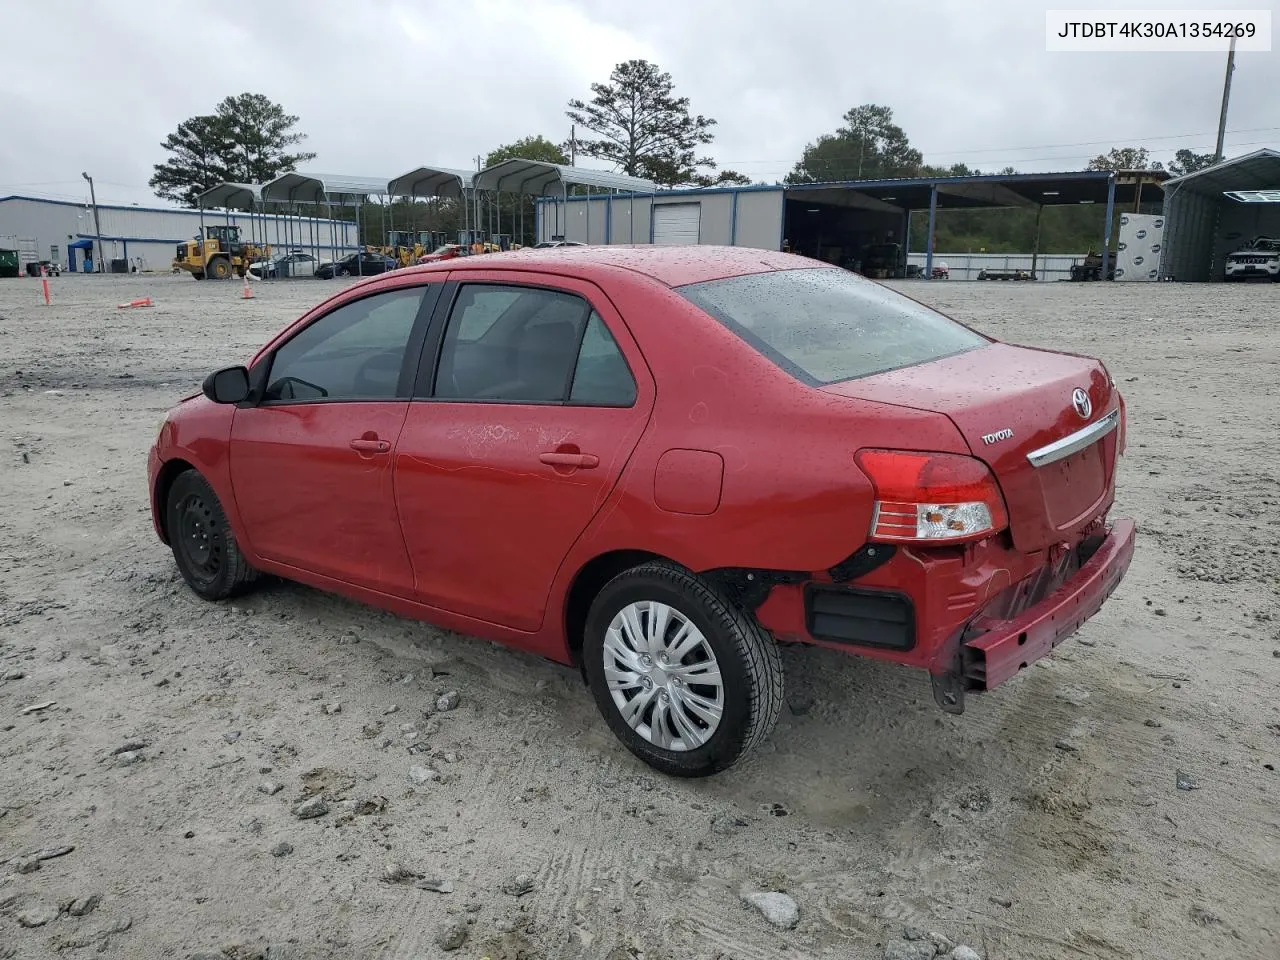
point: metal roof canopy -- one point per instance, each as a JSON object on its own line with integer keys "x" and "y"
{"x": 432, "y": 182}
{"x": 233, "y": 196}
{"x": 299, "y": 187}
{"x": 1252, "y": 171}
{"x": 987, "y": 190}
{"x": 537, "y": 177}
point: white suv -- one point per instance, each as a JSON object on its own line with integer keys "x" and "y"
{"x": 1259, "y": 259}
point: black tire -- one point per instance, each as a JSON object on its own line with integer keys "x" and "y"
{"x": 219, "y": 268}
{"x": 198, "y": 275}
{"x": 202, "y": 541}
{"x": 747, "y": 657}
{"x": 344, "y": 272}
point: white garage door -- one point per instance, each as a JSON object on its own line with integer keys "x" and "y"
{"x": 676, "y": 223}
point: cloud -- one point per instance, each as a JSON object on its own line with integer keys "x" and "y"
{"x": 382, "y": 87}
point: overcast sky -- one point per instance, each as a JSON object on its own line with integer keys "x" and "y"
{"x": 383, "y": 86}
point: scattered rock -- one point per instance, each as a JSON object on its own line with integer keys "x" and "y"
{"x": 800, "y": 703}
{"x": 231, "y": 736}
{"x": 1160, "y": 612}
{"x": 83, "y": 906}
{"x": 726, "y": 825}
{"x": 964, "y": 953}
{"x": 369, "y": 806}
{"x": 941, "y": 943}
{"x": 447, "y": 701}
{"x": 329, "y": 709}
{"x": 309, "y": 809}
{"x": 37, "y": 915}
{"x": 909, "y": 950}
{"x": 390, "y": 710}
{"x": 398, "y": 873}
{"x": 37, "y": 707}
{"x": 518, "y": 885}
{"x": 1184, "y": 781}
{"x": 453, "y": 936}
{"x": 1154, "y": 724}
{"x": 1066, "y": 746}
{"x": 26, "y": 865}
{"x": 1201, "y": 916}
{"x": 419, "y": 775}
{"x": 777, "y": 908}
{"x": 51, "y": 853}
{"x": 371, "y": 730}
{"x": 1001, "y": 902}
{"x": 913, "y": 931}
{"x": 14, "y": 675}
{"x": 435, "y": 885}
{"x": 127, "y": 759}
{"x": 270, "y": 787}
{"x": 774, "y": 810}
{"x": 282, "y": 849}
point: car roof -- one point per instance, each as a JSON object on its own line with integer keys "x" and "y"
{"x": 671, "y": 265}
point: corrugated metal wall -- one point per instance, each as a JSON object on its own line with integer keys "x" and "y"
{"x": 756, "y": 221}
{"x": 1191, "y": 220}
{"x": 154, "y": 234}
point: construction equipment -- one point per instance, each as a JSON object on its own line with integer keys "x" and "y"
{"x": 218, "y": 253}
{"x": 1091, "y": 268}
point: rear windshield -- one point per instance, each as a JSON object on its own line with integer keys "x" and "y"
{"x": 825, "y": 325}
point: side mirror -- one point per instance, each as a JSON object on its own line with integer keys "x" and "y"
{"x": 228, "y": 385}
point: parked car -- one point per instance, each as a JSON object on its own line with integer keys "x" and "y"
{"x": 1259, "y": 259}
{"x": 446, "y": 251}
{"x": 547, "y": 244}
{"x": 521, "y": 449}
{"x": 364, "y": 264}
{"x": 295, "y": 264}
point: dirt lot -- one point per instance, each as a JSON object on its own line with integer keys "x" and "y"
{"x": 1044, "y": 823}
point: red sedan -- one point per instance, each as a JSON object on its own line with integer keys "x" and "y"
{"x": 656, "y": 463}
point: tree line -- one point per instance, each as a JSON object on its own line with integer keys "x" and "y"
{"x": 636, "y": 122}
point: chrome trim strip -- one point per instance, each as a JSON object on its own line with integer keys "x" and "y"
{"x": 1061, "y": 449}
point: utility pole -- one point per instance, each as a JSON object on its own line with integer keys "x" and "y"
{"x": 97, "y": 227}
{"x": 1226, "y": 95}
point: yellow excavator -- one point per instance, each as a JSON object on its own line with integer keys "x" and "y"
{"x": 218, "y": 254}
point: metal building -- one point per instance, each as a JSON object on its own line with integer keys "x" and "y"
{"x": 144, "y": 237}
{"x": 1218, "y": 210}
{"x": 836, "y": 222}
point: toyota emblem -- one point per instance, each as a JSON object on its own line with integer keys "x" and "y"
{"x": 1080, "y": 400}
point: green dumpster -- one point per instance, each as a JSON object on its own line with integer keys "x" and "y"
{"x": 8, "y": 263}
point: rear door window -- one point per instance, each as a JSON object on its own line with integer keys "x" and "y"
{"x": 825, "y": 325}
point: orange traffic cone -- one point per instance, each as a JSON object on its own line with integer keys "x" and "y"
{"x": 141, "y": 302}
{"x": 246, "y": 293}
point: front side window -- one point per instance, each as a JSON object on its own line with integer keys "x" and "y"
{"x": 514, "y": 344}
{"x": 823, "y": 325}
{"x": 355, "y": 352}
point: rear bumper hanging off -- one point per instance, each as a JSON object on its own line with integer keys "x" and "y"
{"x": 997, "y": 649}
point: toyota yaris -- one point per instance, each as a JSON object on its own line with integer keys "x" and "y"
{"x": 657, "y": 464}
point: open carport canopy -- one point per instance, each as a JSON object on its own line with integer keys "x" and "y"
{"x": 432, "y": 182}
{"x": 1253, "y": 175}
{"x": 539, "y": 178}
{"x": 997, "y": 190}
{"x": 231, "y": 196}
{"x": 323, "y": 188}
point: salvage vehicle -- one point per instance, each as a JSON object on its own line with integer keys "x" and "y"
{"x": 657, "y": 464}
{"x": 1258, "y": 260}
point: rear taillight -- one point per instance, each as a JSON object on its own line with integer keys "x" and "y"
{"x": 931, "y": 497}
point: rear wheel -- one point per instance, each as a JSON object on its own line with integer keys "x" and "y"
{"x": 687, "y": 681}
{"x": 199, "y": 275}
{"x": 202, "y": 541}
{"x": 219, "y": 268}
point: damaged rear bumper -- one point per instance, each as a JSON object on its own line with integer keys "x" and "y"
{"x": 992, "y": 651}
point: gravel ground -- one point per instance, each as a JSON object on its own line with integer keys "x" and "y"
{"x": 275, "y": 778}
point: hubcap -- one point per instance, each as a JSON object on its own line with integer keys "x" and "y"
{"x": 663, "y": 676}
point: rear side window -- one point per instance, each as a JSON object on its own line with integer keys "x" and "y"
{"x": 826, "y": 325}
{"x": 601, "y": 377}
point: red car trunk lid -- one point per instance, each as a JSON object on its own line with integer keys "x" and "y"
{"x": 1009, "y": 402}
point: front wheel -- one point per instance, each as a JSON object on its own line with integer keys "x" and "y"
{"x": 203, "y": 543}
{"x": 687, "y": 681}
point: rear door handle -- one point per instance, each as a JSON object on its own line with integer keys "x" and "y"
{"x": 584, "y": 460}
{"x": 370, "y": 446}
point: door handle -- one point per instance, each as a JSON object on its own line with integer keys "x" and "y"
{"x": 584, "y": 460}
{"x": 370, "y": 446}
